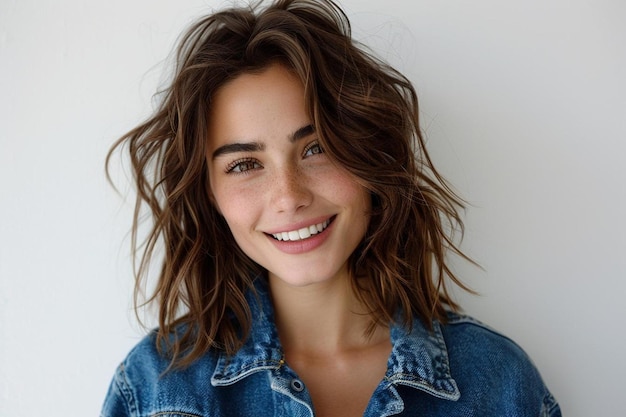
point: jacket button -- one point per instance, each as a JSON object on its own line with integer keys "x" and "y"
{"x": 297, "y": 385}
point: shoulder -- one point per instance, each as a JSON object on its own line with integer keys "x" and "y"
{"x": 145, "y": 358}
{"x": 466, "y": 334}
{"x": 144, "y": 380}
{"x": 472, "y": 343}
{"x": 487, "y": 364}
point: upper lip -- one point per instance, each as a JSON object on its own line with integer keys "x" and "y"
{"x": 299, "y": 225}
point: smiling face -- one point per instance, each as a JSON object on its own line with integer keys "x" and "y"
{"x": 288, "y": 206}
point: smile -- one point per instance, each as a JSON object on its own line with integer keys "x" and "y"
{"x": 304, "y": 233}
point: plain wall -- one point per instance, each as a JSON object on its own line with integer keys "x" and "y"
{"x": 524, "y": 109}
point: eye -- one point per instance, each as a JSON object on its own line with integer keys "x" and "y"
{"x": 313, "y": 148}
{"x": 242, "y": 166}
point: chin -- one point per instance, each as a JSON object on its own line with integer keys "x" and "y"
{"x": 307, "y": 278}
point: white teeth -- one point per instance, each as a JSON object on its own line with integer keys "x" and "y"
{"x": 303, "y": 233}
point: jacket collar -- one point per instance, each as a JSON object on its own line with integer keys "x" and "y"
{"x": 418, "y": 359}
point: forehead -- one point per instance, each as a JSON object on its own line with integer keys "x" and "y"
{"x": 254, "y": 105}
{"x": 270, "y": 81}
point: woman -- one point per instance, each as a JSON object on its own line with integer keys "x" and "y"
{"x": 304, "y": 235}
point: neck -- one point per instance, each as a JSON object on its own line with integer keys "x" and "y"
{"x": 322, "y": 318}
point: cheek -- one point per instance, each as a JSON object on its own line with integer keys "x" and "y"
{"x": 224, "y": 198}
{"x": 237, "y": 206}
{"x": 349, "y": 191}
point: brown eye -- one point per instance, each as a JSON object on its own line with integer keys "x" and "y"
{"x": 239, "y": 167}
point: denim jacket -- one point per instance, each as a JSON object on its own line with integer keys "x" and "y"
{"x": 462, "y": 368}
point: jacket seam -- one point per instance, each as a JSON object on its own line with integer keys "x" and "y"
{"x": 124, "y": 388}
{"x": 549, "y": 405}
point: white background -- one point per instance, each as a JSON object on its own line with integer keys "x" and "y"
{"x": 524, "y": 107}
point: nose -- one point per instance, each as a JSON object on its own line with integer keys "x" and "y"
{"x": 289, "y": 190}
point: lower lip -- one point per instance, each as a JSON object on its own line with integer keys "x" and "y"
{"x": 304, "y": 245}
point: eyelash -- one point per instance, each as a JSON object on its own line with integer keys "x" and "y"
{"x": 235, "y": 167}
{"x": 312, "y": 146}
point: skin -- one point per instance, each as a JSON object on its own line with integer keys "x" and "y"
{"x": 269, "y": 175}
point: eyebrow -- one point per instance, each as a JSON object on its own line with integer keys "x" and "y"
{"x": 301, "y": 133}
{"x": 238, "y": 147}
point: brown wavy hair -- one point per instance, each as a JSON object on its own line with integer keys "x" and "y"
{"x": 366, "y": 116}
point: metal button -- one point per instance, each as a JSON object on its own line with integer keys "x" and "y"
{"x": 297, "y": 385}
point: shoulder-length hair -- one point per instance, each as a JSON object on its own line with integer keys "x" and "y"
{"x": 366, "y": 116}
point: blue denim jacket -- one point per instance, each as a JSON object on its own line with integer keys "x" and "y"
{"x": 460, "y": 369}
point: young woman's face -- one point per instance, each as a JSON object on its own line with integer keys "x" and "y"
{"x": 288, "y": 206}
